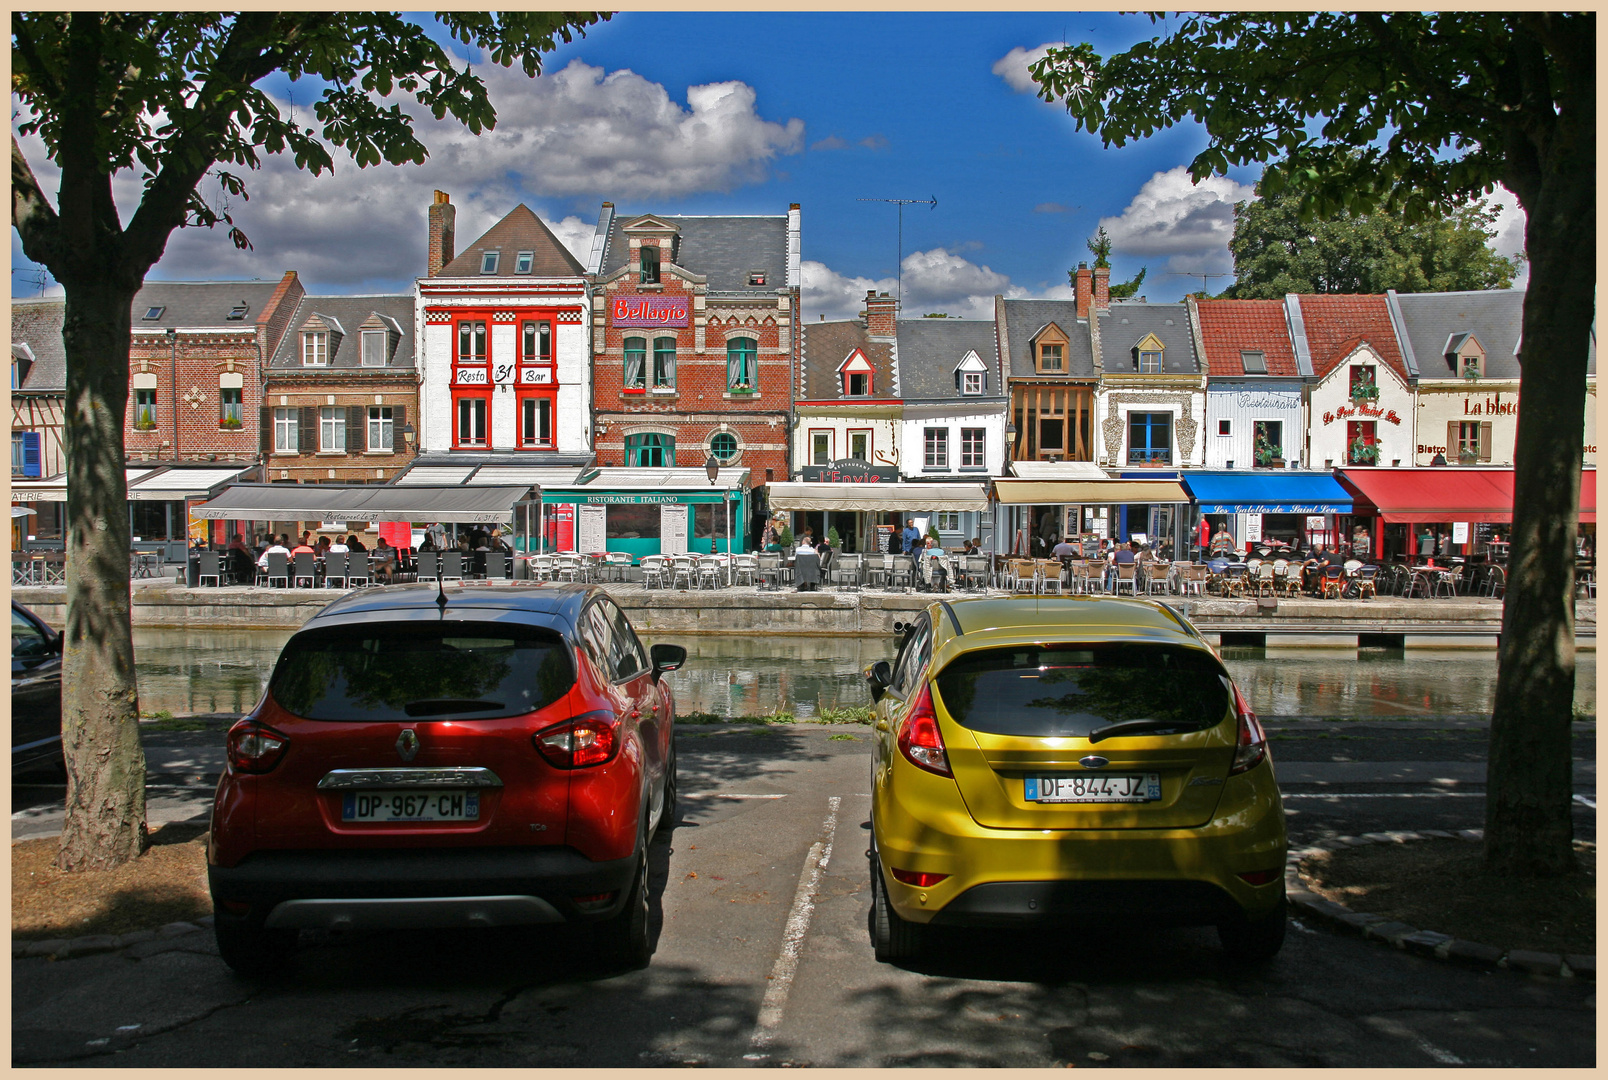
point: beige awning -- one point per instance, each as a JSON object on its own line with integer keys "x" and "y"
{"x": 1096, "y": 492}
{"x": 877, "y": 498}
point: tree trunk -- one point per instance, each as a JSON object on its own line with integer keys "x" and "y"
{"x": 1528, "y": 825}
{"x": 105, "y": 823}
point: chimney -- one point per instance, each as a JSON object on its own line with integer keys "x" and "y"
{"x": 880, "y": 312}
{"x": 442, "y": 217}
{"x": 1083, "y": 289}
{"x": 1102, "y": 288}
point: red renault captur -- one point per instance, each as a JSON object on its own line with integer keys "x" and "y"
{"x": 459, "y": 758}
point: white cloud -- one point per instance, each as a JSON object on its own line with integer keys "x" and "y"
{"x": 576, "y": 235}
{"x": 1012, "y": 67}
{"x": 1172, "y": 215}
{"x": 1509, "y": 225}
{"x": 936, "y": 280}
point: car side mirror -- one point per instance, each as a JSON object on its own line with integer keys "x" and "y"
{"x": 666, "y": 658}
{"x": 879, "y": 675}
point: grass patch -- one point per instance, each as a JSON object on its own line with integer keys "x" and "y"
{"x": 844, "y": 735}
{"x": 854, "y": 714}
{"x": 166, "y": 721}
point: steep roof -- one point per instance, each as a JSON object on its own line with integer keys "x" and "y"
{"x": 37, "y": 324}
{"x": 725, "y": 250}
{"x": 189, "y": 305}
{"x": 520, "y": 230}
{"x": 931, "y": 349}
{"x": 1025, "y": 318}
{"x": 1431, "y": 320}
{"x": 1230, "y": 327}
{"x": 350, "y": 312}
{"x": 1336, "y": 323}
{"x": 827, "y": 344}
{"x": 1126, "y": 325}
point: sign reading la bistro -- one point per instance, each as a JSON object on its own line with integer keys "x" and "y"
{"x": 650, "y": 311}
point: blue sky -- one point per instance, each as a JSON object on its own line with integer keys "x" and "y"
{"x": 745, "y": 113}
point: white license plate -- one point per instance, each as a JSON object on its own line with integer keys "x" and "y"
{"x": 1108, "y": 788}
{"x": 455, "y": 805}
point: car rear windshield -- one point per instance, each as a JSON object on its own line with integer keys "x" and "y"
{"x": 1070, "y": 690}
{"x": 420, "y": 671}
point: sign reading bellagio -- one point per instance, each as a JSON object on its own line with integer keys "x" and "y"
{"x": 629, "y": 311}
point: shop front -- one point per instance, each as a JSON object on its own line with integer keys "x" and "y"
{"x": 1275, "y": 506}
{"x": 160, "y": 504}
{"x": 1035, "y": 513}
{"x": 866, "y": 513}
{"x": 647, "y": 512}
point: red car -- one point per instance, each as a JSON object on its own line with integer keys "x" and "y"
{"x": 468, "y": 757}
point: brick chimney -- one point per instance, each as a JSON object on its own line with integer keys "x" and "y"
{"x": 880, "y": 312}
{"x": 1102, "y": 288}
{"x": 443, "y": 215}
{"x": 1083, "y": 288}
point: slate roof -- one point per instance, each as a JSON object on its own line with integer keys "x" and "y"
{"x": 37, "y": 324}
{"x": 931, "y": 349}
{"x": 1431, "y": 320}
{"x": 1337, "y": 322}
{"x": 722, "y": 249}
{"x": 520, "y": 230}
{"x": 1025, "y": 318}
{"x": 350, "y": 312}
{"x": 1125, "y": 325}
{"x": 827, "y": 344}
{"x": 1229, "y": 327}
{"x": 190, "y": 305}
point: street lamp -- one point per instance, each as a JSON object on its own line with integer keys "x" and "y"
{"x": 712, "y": 470}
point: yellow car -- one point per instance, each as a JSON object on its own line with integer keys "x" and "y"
{"x": 1060, "y": 760}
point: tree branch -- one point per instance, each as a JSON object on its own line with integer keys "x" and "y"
{"x": 31, "y": 213}
{"x": 35, "y": 64}
{"x": 1443, "y": 93}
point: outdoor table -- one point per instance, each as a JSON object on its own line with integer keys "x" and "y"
{"x": 146, "y": 564}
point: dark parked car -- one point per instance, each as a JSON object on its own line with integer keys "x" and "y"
{"x": 35, "y": 693}
{"x": 471, "y": 758}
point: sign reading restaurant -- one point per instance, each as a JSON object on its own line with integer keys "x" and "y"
{"x": 650, "y": 311}
{"x": 850, "y": 471}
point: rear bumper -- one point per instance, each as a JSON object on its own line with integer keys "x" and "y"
{"x": 413, "y": 887}
{"x": 1026, "y": 903}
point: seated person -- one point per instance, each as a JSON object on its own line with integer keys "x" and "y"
{"x": 354, "y": 544}
{"x": 937, "y": 566}
{"x": 497, "y": 543}
{"x": 973, "y": 546}
{"x": 382, "y": 563}
{"x": 428, "y": 544}
{"x": 337, "y": 546}
{"x": 275, "y": 548}
{"x": 1064, "y": 550}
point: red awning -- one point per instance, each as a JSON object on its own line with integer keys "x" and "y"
{"x": 1446, "y": 494}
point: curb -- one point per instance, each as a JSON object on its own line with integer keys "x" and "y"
{"x": 72, "y": 948}
{"x": 1426, "y": 943}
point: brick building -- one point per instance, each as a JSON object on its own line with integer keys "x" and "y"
{"x": 695, "y": 341}
{"x": 341, "y": 392}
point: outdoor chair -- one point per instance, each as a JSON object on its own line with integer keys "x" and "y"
{"x": 711, "y": 572}
{"x": 683, "y": 569}
{"x": 1365, "y": 582}
{"x": 616, "y": 563}
{"x": 541, "y": 567}
{"x": 1127, "y": 578}
{"x": 1333, "y": 583}
{"x": 569, "y": 566}
{"x": 335, "y": 568}
{"x": 357, "y": 569}
{"x": 452, "y": 567}
{"x": 1021, "y": 575}
{"x": 1496, "y": 582}
{"x": 1049, "y": 575}
{"x": 210, "y": 569}
{"x": 496, "y": 566}
{"x": 878, "y": 571}
{"x": 769, "y": 569}
{"x": 1193, "y": 580}
{"x": 653, "y": 571}
{"x": 744, "y": 566}
{"x": 846, "y": 569}
{"x": 429, "y": 565}
{"x": 1156, "y": 578}
{"x": 278, "y": 570}
{"x": 306, "y": 567}
{"x": 974, "y": 568}
{"x": 1266, "y": 580}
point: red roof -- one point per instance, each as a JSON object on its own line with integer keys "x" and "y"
{"x": 1229, "y": 327}
{"x": 1447, "y": 494}
{"x": 1336, "y": 324}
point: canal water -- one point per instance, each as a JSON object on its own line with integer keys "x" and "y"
{"x": 208, "y": 671}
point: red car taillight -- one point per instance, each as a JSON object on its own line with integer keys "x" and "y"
{"x": 919, "y": 737}
{"x": 254, "y": 748}
{"x": 588, "y": 739}
{"x": 1251, "y": 747}
{"x": 921, "y": 879}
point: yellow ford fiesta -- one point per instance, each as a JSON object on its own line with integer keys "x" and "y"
{"x": 1057, "y": 760}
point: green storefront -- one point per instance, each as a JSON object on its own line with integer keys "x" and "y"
{"x": 648, "y": 512}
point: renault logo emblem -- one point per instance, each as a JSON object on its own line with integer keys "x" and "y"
{"x": 407, "y": 744}
{"x": 1093, "y": 761}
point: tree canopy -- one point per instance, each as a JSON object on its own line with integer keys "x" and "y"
{"x": 1416, "y": 114}
{"x": 1099, "y": 246}
{"x": 1277, "y": 252}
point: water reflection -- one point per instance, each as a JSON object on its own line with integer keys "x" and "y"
{"x": 201, "y": 671}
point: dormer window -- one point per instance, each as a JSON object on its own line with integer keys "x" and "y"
{"x": 859, "y": 384}
{"x": 971, "y": 375}
{"x": 1048, "y": 348}
{"x": 971, "y": 382}
{"x": 374, "y": 346}
{"x": 488, "y": 262}
{"x": 238, "y": 312}
{"x": 315, "y": 348}
{"x": 859, "y": 378}
{"x": 757, "y": 278}
{"x": 1255, "y": 363}
{"x": 523, "y": 262}
{"x": 1052, "y": 357}
{"x": 650, "y": 265}
{"x": 1147, "y": 355}
{"x": 1465, "y": 356}
{"x": 154, "y": 312}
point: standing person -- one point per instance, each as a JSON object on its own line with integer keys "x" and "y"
{"x": 1203, "y": 534}
{"x": 437, "y": 533}
{"x": 911, "y": 536}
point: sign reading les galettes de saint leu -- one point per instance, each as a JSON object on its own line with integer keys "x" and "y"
{"x": 628, "y": 311}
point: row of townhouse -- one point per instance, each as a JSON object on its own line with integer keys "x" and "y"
{"x": 665, "y": 394}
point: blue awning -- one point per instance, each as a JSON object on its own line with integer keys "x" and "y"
{"x": 1267, "y": 492}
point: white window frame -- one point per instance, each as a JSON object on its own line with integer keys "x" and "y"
{"x": 1150, "y": 362}
{"x": 331, "y": 429}
{"x": 523, "y": 262}
{"x": 374, "y": 347}
{"x": 947, "y": 521}
{"x": 315, "y": 348}
{"x": 971, "y": 383}
{"x": 816, "y": 435}
{"x": 287, "y": 431}
{"x": 381, "y": 427}
{"x": 935, "y": 449}
{"x": 974, "y": 448}
{"x": 488, "y": 261}
{"x": 864, "y": 433}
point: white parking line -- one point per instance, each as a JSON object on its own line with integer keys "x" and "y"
{"x": 1445, "y": 1057}
{"x": 1384, "y": 795}
{"x": 1583, "y": 801}
{"x": 798, "y": 924}
{"x": 725, "y": 795}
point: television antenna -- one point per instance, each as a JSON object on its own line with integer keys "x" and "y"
{"x": 1193, "y": 273}
{"x": 898, "y": 266}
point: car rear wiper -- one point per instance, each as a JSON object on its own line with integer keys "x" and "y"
{"x": 1130, "y": 727}
{"x": 438, "y": 706}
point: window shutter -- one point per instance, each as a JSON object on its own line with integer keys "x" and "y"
{"x": 1451, "y": 441}
{"x": 31, "y": 463}
{"x": 356, "y": 428}
{"x": 1485, "y": 440}
{"x": 399, "y": 418}
{"x": 265, "y": 426}
{"x": 307, "y": 435}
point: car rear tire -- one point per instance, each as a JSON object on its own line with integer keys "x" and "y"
{"x": 891, "y": 936}
{"x": 251, "y": 949}
{"x": 1255, "y": 940}
{"x": 622, "y": 941}
{"x": 670, "y": 801}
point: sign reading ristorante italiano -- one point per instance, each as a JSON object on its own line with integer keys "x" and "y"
{"x": 649, "y": 311}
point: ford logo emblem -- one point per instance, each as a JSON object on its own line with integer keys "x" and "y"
{"x": 1094, "y": 761}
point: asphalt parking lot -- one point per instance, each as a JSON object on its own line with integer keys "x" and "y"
{"x": 760, "y": 899}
